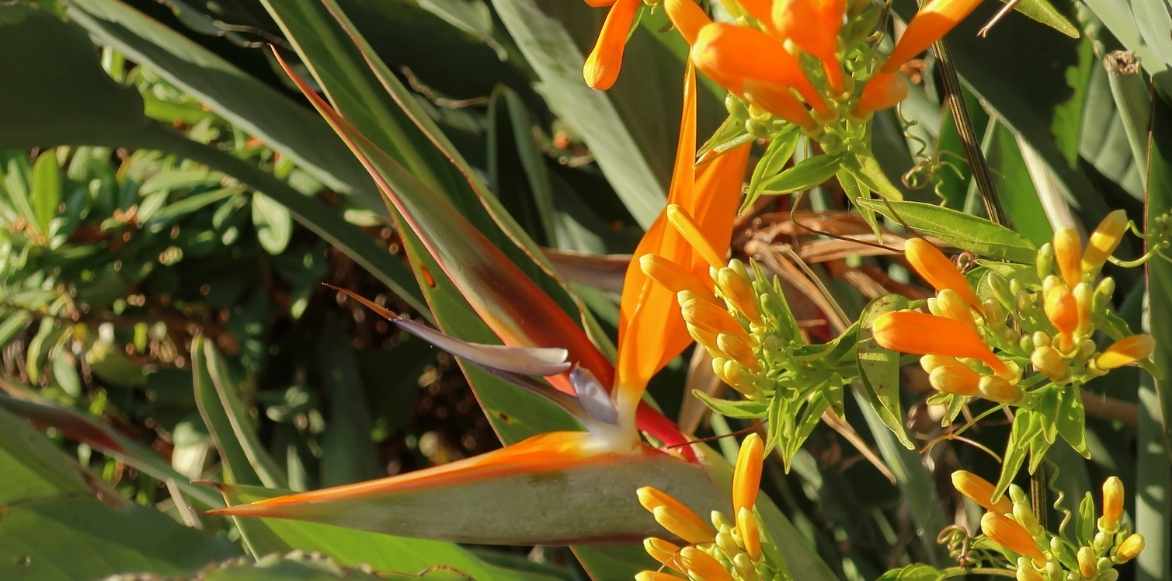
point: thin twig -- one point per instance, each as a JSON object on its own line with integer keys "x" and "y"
{"x": 984, "y": 31}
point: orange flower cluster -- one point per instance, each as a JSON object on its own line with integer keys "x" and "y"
{"x": 1012, "y": 525}
{"x": 723, "y": 551}
{"x": 759, "y": 58}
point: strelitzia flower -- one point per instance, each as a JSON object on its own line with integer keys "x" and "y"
{"x": 606, "y": 60}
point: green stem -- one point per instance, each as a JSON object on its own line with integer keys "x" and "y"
{"x": 953, "y": 572}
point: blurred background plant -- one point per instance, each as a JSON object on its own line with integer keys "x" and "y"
{"x": 169, "y": 210}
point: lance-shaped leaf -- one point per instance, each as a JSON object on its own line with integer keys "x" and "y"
{"x": 555, "y": 488}
{"x": 651, "y": 331}
{"x": 508, "y": 301}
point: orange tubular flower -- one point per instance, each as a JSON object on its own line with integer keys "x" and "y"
{"x": 747, "y": 475}
{"x": 938, "y": 270}
{"x": 720, "y": 51}
{"x": 651, "y": 331}
{"x": 980, "y": 491}
{"x": 882, "y": 91}
{"x": 923, "y": 334}
{"x": 605, "y": 61}
{"x": 1012, "y": 536}
{"x": 1103, "y": 241}
{"x": 1068, "y": 253}
{"x": 930, "y": 24}
{"x": 1126, "y": 351}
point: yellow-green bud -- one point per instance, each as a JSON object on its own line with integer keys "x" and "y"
{"x": 1086, "y": 563}
{"x": 1130, "y": 548}
{"x": 1112, "y": 504}
{"x": 1041, "y": 339}
{"x": 1103, "y": 293}
{"x": 997, "y": 389}
{"x": 1047, "y": 360}
{"x": 1044, "y": 263}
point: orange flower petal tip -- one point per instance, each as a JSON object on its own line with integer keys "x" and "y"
{"x": 605, "y": 61}
{"x": 687, "y": 17}
{"x": 750, "y": 533}
{"x": 1068, "y": 254}
{"x": 930, "y": 24}
{"x": 980, "y": 491}
{"x": 882, "y": 91}
{"x": 938, "y": 270}
{"x": 1103, "y": 241}
{"x": 702, "y": 566}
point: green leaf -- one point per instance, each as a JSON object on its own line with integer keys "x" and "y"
{"x": 46, "y": 189}
{"x": 805, "y": 174}
{"x": 54, "y": 526}
{"x": 1044, "y": 12}
{"x": 1026, "y": 429}
{"x": 879, "y": 369}
{"x": 299, "y": 567}
{"x": 386, "y": 554}
{"x": 913, "y": 572}
{"x": 744, "y": 409}
{"x": 1136, "y": 24}
{"x": 778, "y": 153}
{"x": 964, "y": 231}
{"x": 1071, "y": 421}
{"x": 550, "y": 49}
{"x": 274, "y": 225}
{"x": 348, "y": 454}
{"x": 1153, "y": 498}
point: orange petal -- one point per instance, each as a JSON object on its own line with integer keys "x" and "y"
{"x": 599, "y": 3}
{"x": 938, "y": 270}
{"x": 813, "y": 26}
{"x": 1012, "y": 536}
{"x": 882, "y": 91}
{"x": 721, "y": 51}
{"x": 921, "y": 334}
{"x": 605, "y": 61}
{"x": 687, "y": 17}
{"x": 651, "y": 331}
{"x": 931, "y": 23}
{"x": 980, "y": 491}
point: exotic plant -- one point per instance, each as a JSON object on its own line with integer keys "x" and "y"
{"x": 812, "y": 317}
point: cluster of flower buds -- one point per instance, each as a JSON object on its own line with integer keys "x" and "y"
{"x": 723, "y": 551}
{"x": 1037, "y": 555}
{"x": 972, "y": 347}
{"x": 741, "y": 320}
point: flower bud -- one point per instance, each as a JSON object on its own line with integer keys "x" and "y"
{"x": 1130, "y": 548}
{"x": 683, "y": 223}
{"x": 938, "y": 270}
{"x": 1126, "y": 351}
{"x": 750, "y": 535}
{"x": 1068, "y": 253}
{"x": 1061, "y": 309}
{"x": 603, "y": 64}
{"x": 932, "y": 361}
{"x": 705, "y": 337}
{"x": 739, "y": 349}
{"x": 1103, "y": 294}
{"x": 1103, "y": 241}
{"x": 671, "y": 275}
{"x": 955, "y": 379}
{"x": 1047, "y": 361}
{"x": 1022, "y": 512}
{"x": 702, "y": 566}
{"x": 1011, "y": 536}
{"x": 1044, "y": 261}
{"x": 1084, "y": 298}
{"x": 998, "y": 389}
{"x": 951, "y": 305}
{"x": 1026, "y": 571}
{"x": 747, "y": 474}
{"x": 727, "y": 544}
{"x": 979, "y": 491}
{"x": 1040, "y": 339}
{"x": 666, "y": 552}
{"x": 711, "y": 317}
{"x": 739, "y": 292}
{"x": 1112, "y": 504}
{"x": 672, "y": 515}
{"x": 920, "y": 333}
{"x": 1086, "y": 563}
{"x": 745, "y": 568}
{"x": 736, "y": 377}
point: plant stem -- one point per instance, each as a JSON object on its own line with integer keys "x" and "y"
{"x": 954, "y": 99}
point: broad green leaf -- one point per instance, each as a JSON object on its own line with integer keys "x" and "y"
{"x": 54, "y": 526}
{"x": 1026, "y": 429}
{"x": 46, "y": 189}
{"x": 550, "y": 489}
{"x": 913, "y": 572}
{"x": 879, "y": 369}
{"x": 1071, "y": 421}
{"x": 295, "y": 567}
{"x": 964, "y": 231}
{"x": 1012, "y": 180}
{"x": 778, "y": 153}
{"x": 348, "y": 454}
{"x": 228, "y": 420}
{"x": 385, "y": 554}
{"x": 553, "y": 53}
{"x": 804, "y": 175}
{"x": 1107, "y": 130}
{"x": 247, "y": 102}
{"x": 1153, "y": 502}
